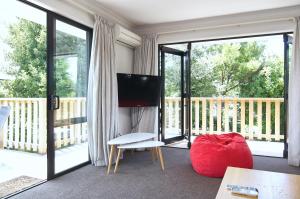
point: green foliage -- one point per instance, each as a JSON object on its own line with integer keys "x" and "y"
{"x": 229, "y": 69}
{"x": 64, "y": 84}
{"x": 71, "y": 46}
{"x": 268, "y": 83}
{"x": 173, "y": 75}
{"x": 27, "y": 57}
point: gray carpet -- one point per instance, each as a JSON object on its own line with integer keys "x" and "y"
{"x": 139, "y": 178}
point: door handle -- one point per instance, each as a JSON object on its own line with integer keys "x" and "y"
{"x": 57, "y": 102}
{"x": 54, "y": 101}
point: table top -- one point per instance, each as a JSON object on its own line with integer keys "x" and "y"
{"x": 144, "y": 144}
{"x": 131, "y": 138}
{"x": 270, "y": 185}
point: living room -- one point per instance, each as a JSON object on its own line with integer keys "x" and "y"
{"x": 149, "y": 99}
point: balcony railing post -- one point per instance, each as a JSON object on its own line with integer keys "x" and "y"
{"x": 42, "y": 146}
{"x": 170, "y": 110}
{"x": 11, "y": 125}
{"x": 277, "y": 120}
{"x": 197, "y": 119}
{"x": 84, "y": 125}
{"x": 17, "y": 125}
{"x": 72, "y": 129}
{"x": 259, "y": 120}
{"x": 211, "y": 116}
{"x": 203, "y": 115}
{"x": 226, "y": 115}
{"x": 78, "y": 126}
{"x": 219, "y": 115}
{"x": 243, "y": 132}
{"x": 250, "y": 128}
{"x": 65, "y": 112}
{"x": 23, "y": 127}
{"x": 268, "y": 120}
{"x": 177, "y": 114}
{"x": 29, "y": 125}
{"x": 234, "y": 115}
{"x": 35, "y": 126}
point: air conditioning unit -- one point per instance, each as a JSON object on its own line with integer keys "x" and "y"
{"x": 127, "y": 37}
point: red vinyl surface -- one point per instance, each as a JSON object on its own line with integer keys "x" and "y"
{"x": 212, "y": 154}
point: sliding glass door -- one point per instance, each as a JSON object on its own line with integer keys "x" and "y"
{"x": 70, "y": 83}
{"x": 69, "y": 44}
{"x": 44, "y": 61}
{"x": 23, "y": 133}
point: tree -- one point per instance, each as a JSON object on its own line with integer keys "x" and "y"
{"x": 27, "y": 57}
{"x": 235, "y": 69}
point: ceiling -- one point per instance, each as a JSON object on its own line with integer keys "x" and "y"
{"x": 144, "y": 12}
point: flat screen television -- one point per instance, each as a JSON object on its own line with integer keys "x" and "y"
{"x": 138, "y": 90}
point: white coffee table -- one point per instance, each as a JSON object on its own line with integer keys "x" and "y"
{"x": 144, "y": 144}
{"x": 126, "y": 139}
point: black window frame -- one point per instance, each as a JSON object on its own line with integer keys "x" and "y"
{"x": 286, "y": 44}
{"x": 50, "y": 26}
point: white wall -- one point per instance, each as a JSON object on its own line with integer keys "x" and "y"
{"x": 67, "y": 10}
{"x": 242, "y": 24}
{"x": 124, "y": 61}
{"x": 228, "y": 31}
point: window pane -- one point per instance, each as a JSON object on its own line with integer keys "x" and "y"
{"x": 71, "y": 70}
{"x": 23, "y": 158}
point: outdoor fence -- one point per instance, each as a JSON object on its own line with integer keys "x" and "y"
{"x": 26, "y": 127}
{"x": 254, "y": 118}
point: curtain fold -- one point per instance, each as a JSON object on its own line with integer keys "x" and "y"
{"x": 145, "y": 63}
{"x": 294, "y": 101}
{"x": 102, "y": 98}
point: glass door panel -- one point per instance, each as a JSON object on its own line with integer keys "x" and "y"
{"x": 70, "y": 80}
{"x": 23, "y": 132}
{"x": 173, "y": 88}
{"x": 173, "y": 106}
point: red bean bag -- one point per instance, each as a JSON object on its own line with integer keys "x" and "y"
{"x": 212, "y": 154}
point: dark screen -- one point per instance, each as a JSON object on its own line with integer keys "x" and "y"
{"x": 138, "y": 90}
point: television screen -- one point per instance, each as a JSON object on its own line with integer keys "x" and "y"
{"x": 138, "y": 90}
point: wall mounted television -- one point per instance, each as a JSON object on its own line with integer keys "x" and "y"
{"x": 138, "y": 90}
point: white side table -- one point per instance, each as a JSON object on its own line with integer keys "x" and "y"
{"x": 126, "y": 139}
{"x": 145, "y": 144}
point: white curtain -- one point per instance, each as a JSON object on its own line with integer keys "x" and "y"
{"x": 145, "y": 63}
{"x": 294, "y": 101}
{"x": 102, "y": 104}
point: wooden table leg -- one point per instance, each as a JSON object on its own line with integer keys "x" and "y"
{"x": 153, "y": 154}
{"x": 157, "y": 152}
{"x": 117, "y": 162}
{"x": 161, "y": 158}
{"x": 112, "y": 147}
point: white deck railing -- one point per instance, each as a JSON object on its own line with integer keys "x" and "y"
{"x": 26, "y": 127}
{"x": 254, "y": 118}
